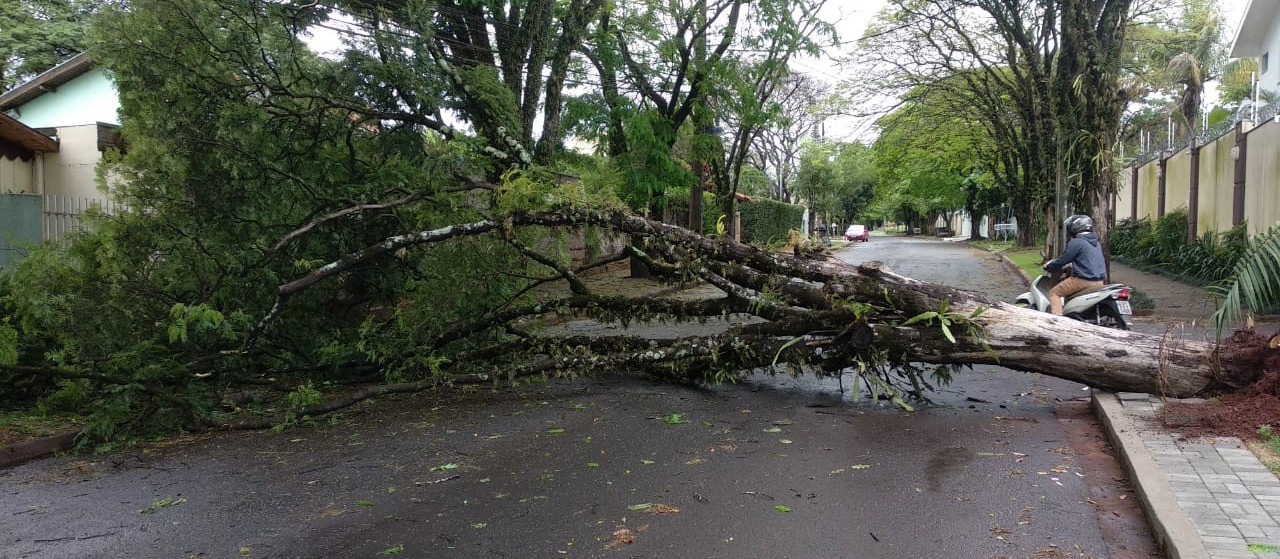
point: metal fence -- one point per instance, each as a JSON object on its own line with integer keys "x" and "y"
{"x": 1245, "y": 114}
{"x": 62, "y": 215}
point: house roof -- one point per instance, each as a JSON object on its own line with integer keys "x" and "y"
{"x": 48, "y": 81}
{"x": 1257, "y": 21}
{"x": 17, "y": 133}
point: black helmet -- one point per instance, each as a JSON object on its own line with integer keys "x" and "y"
{"x": 1078, "y": 224}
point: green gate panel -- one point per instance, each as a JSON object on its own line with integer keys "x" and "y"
{"x": 20, "y": 226}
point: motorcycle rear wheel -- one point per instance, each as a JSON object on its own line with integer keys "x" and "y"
{"x": 1110, "y": 317}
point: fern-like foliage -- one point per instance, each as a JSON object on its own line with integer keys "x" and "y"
{"x": 1255, "y": 283}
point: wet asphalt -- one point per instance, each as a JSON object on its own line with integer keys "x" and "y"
{"x": 1003, "y": 464}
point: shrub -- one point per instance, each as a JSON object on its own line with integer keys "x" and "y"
{"x": 1162, "y": 245}
{"x": 766, "y": 221}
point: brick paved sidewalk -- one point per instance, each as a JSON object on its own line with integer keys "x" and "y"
{"x": 1231, "y": 499}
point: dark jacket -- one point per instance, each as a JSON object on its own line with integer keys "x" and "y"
{"x": 1085, "y": 253}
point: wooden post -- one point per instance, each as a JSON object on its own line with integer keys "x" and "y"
{"x": 737, "y": 226}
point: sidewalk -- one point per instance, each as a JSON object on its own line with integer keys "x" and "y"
{"x": 1207, "y": 497}
{"x": 1173, "y": 299}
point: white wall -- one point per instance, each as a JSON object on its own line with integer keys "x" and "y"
{"x": 1270, "y": 80}
{"x": 71, "y": 171}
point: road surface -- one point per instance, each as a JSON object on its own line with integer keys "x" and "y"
{"x": 1003, "y": 464}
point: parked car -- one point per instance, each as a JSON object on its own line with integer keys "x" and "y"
{"x": 857, "y": 233}
{"x": 943, "y": 232}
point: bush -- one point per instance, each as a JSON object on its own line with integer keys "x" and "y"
{"x": 1162, "y": 245}
{"x": 767, "y": 221}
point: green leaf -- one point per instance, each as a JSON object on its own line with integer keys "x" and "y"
{"x": 640, "y": 507}
{"x": 675, "y": 419}
{"x": 927, "y": 315}
{"x": 782, "y": 508}
{"x": 791, "y": 342}
{"x": 555, "y": 431}
{"x": 159, "y": 504}
{"x": 946, "y": 331}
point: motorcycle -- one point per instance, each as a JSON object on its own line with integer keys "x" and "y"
{"x": 1105, "y": 306}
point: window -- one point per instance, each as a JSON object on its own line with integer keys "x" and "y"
{"x": 1262, "y": 63}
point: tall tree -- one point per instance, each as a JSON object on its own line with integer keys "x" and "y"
{"x": 1045, "y": 77}
{"x": 36, "y": 35}
{"x": 777, "y": 150}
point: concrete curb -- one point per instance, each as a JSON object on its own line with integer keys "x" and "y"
{"x": 1168, "y": 521}
{"x": 1026, "y": 281}
{"x": 13, "y": 455}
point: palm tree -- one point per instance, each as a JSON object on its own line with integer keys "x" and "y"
{"x": 1201, "y": 59}
{"x": 1255, "y": 283}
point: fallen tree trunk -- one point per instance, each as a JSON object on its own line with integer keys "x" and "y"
{"x": 1033, "y": 341}
{"x": 886, "y": 322}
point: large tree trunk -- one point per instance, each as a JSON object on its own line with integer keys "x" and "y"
{"x": 1033, "y": 341}
{"x": 849, "y": 318}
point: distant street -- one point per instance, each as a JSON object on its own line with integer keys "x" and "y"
{"x": 1003, "y": 465}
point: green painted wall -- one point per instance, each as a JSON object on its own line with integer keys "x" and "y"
{"x": 1217, "y": 185}
{"x": 1124, "y": 195}
{"x": 1177, "y": 190}
{"x": 87, "y": 99}
{"x": 1262, "y": 178}
{"x": 1148, "y": 183}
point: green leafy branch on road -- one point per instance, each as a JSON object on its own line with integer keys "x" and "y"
{"x": 948, "y": 319}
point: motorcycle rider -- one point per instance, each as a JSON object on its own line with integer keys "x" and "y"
{"x": 1084, "y": 255}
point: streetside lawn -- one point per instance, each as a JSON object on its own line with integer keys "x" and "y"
{"x": 1026, "y": 259}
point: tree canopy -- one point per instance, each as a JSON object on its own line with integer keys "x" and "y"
{"x": 36, "y": 35}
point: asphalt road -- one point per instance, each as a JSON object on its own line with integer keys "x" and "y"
{"x": 1004, "y": 464}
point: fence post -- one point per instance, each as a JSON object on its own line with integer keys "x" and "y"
{"x": 1241, "y": 154}
{"x": 1133, "y": 194}
{"x": 1193, "y": 197}
{"x": 1161, "y": 182}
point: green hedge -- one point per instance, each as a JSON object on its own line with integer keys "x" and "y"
{"x": 768, "y": 221}
{"x": 1162, "y": 244}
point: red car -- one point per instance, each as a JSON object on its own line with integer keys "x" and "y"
{"x": 857, "y": 233}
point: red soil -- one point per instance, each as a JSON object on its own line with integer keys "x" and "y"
{"x": 1241, "y": 412}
